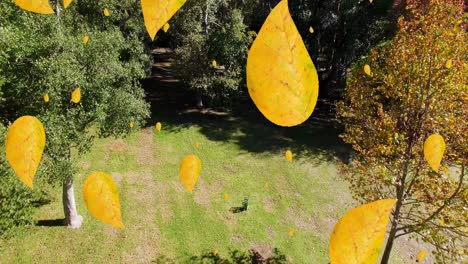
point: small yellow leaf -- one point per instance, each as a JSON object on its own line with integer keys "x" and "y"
{"x": 106, "y": 12}
{"x": 448, "y": 64}
{"x": 214, "y": 63}
{"x": 281, "y": 77}
{"x": 311, "y": 29}
{"x": 215, "y": 252}
{"x": 158, "y": 126}
{"x": 157, "y": 13}
{"x": 370, "y": 1}
{"x": 441, "y": 222}
{"x": 166, "y": 27}
{"x": 197, "y": 144}
{"x": 421, "y": 255}
{"x": 434, "y": 148}
{"x": 131, "y": 124}
{"x": 24, "y": 144}
{"x": 226, "y": 196}
{"x": 358, "y": 236}
{"x": 36, "y": 6}
{"x": 288, "y": 155}
{"x": 46, "y": 97}
{"x": 291, "y": 232}
{"x": 76, "y": 95}
{"x": 66, "y": 3}
{"x": 189, "y": 171}
{"x": 266, "y": 185}
{"x": 367, "y": 70}
{"x": 85, "y": 39}
{"x": 102, "y": 198}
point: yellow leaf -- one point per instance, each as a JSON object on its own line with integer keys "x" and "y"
{"x": 370, "y": 1}
{"x": 441, "y": 222}
{"x": 215, "y": 252}
{"x": 367, "y": 70}
{"x": 288, "y": 155}
{"x": 85, "y": 39}
{"x": 166, "y": 27}
{"x": 281, "y": 78}
{"x": 131, "y": 124}
{"x": 226, "y": 196}
{"x": 158, "y": 126}
{"x": 197, "y": 144}
{"x": 106, "y": 12}
{"x": 25, "y": 141}
{"x": 291, "y": 232}
{"x": 434, "y": 148}
{"x": 266, "y": 185}
{"x": 214, "y": 63}
{"x": 448, "y": 64}
{"x": 36, "y": 6}
{"x": 157, "y": 13}
{"x": 76, "y": 95}
{"x": 102, "y": 198}
{"x": 311, "y": 29}
{"x": 46, "y": 97}
{"x": 66, "y": 3}
{"x": 421, "y": 255}
{"x": 189, "y": 171}
{"x": 358, "y": 236}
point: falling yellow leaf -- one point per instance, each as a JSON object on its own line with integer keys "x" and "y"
{"x": 281, "y": 78}
{"x": 85, "y": 39}
{"x": 66, "y": 3}
{"x": 448, "y": 64}
{"x": 25, "y": 142}
{"x": 441, "y": 222}
{"x": 215, "y": 252}
{"x": 226, "y": 196}
{"x": 214, "y": 63}
{"x": 358, "y": 236}
{"x": 46, "y": 97}
{"x": 157, "y": 13}
{"x": 76, "y": 95}
{"x": 266, "y": 185}
{"x": 189, "y": 171}
{"x": 291, "y": 232}
{"x": 131, "y": 124}
{"x": 421, "y": 255}
{"x": 36, "y": 6}
{"x": 166, "y": 27}
{"x": 367, "y": 70}
{"x": 288, "y": 155}
{"x": 197, "y": 144}
{"x": 106, "y": 12}
{"x": 370, "y": 1}
{"x": 434, "y": 148}
{"x": 311, "y": 29}
{"x": 102, "y": 198}
{"x": 158, "y": 126}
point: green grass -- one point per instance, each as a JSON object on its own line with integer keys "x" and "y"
{"x": 165, "y": 222}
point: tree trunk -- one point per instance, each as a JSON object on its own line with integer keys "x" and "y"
{"x": 72, "y": 219}
{"x": 389, "y": 245}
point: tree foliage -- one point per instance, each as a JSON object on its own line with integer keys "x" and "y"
{"x": 410, "y": 95}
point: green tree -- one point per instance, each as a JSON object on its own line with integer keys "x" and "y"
{"x": 412, "y": 93}
{"x": 42, "y": 54}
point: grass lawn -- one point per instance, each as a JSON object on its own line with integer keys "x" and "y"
{"x": 165, "y": 223}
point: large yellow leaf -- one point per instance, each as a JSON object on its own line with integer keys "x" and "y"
{"x": 66, "y": 3}
{"x": 357, "y": 238}
{"x": 281, "y": 78}
{"x": 156, "y": 13}
{"x": 76, "y": 95}
{"x": 102, "y": 198}
{"x": 189, "y": 171}
{"x": 25, "y": 141}
{"x": 36, "y": 6}
{"x": 434, "y": 148}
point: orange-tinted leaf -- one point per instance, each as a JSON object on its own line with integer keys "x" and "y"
{"x": 76, "y": 95}
{"x": 46, "y": 97}
{"x": 434, "y": 148}
{"x": 421, "y": 255}
{"x": 25, "y": 142}
{"x": 367, "y": 70}
{"x": 358, "y": 236}
{"x": 36, "y": 6}
{"x": 157, "y": 13}
{"x": 189, "y": 171}
{"x": 66, "y": 3}
{"x": 102, "y": 198}
{"x": 281, "y": 78}
{"x": 288, "y": 155}
{"x": 158, "y": 127}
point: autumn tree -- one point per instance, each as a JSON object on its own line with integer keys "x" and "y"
{"x": 49, "y": 55}
{"x": 417, "y": 86}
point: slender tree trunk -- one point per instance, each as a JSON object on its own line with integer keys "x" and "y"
{"x": 72, "y": 219}
{"x": 391, "y": 236}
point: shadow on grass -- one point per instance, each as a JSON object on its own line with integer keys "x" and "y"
{"x": 246, "y": 127}
{"x": 51, "y": 223}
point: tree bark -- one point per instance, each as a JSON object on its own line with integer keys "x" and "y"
{"x": 72, "y": 219}
{"x": 391, "y": 236}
